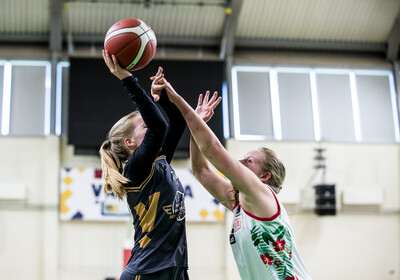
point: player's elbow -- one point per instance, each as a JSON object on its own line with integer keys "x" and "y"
{"x": 201, "y": 173}
{"x": 197, "y": 171}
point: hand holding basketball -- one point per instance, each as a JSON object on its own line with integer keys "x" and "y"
{"x": 132, "y": 42}
{"x": 114, "y": 66}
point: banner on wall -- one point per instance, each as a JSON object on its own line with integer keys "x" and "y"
{"x": 82, "y": 198}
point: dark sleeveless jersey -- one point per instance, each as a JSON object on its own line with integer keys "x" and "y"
{"x": 158, "y": 211}
{"x": 154, "y": 193}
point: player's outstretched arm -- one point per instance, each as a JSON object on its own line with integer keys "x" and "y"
{"x": 240, "y": 176}
{"x": 215, "y": 184}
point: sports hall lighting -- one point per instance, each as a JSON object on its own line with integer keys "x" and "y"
{"x": 394, "y": 108}
{"x": 47, "y": 100}
{"x": 6, "y": 103}
{"x": 225, "y": 110}
{"x": 356, "y": 108}
{"x": 276, "y": 112}
{"x": 235, "y": 102}
{"x": 314, "y": 104}
{"x": 58, "y": 117}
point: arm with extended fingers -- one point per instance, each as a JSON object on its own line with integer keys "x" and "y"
{"x": 215, "y": 184}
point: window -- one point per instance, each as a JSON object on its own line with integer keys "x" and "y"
{"x": 296, "y": 104}
{"x": 252, "y": 103}
{"x": 269, "y": 103}
{"x": 304, "y": 104}
{"x": 379, "y": 122}
{"x": 335, "y": 106}
{"x": 26, "y": 98}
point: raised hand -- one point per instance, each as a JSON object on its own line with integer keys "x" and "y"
{"x": 157, "y": 85}
{"x": 113, "y": 65}
{"x": 205, "y": 108}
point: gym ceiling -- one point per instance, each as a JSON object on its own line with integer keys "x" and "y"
{"x": 346, "y": 26}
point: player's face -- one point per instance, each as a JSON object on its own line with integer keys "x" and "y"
{"x": 139, "y": 131}
{"x": 252, "y": 160}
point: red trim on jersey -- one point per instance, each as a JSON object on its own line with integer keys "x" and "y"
{"x": 236, "y": 205}
{"x": 270, "y": 218}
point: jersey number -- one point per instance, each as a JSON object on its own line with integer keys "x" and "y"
{"x": 147, "y": 217}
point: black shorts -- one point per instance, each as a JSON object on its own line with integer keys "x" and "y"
{"x": 171, "y": 273}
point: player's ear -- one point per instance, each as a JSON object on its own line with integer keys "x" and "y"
{"x": 265, "y": 177}
{"x": 129, "y": 142}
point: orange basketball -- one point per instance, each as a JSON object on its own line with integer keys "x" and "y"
{"x": 132, "y": 42}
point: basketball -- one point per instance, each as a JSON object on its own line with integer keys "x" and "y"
{"x": 132, "y": 42}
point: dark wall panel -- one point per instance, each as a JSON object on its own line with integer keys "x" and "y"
{"x": 97, "y": 99}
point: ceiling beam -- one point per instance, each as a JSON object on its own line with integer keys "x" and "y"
{"x": 11, "y": 38}
{"x": 56, "y": 11}
{"x": 161, "y": 40}
{"x": 229, "y": 32}
{"x": 310, "y": 45}
{"x": 244, "y": 43}
{"x": 149, "y": 3}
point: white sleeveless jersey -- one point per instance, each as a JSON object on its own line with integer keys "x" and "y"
{"x": 264, "y": 248}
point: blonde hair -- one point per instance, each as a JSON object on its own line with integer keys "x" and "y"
{"x": 114, "y": 154}
{"x": 273, "y": 165}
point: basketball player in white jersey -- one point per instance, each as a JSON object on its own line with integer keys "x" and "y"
{"x": 262, "y": 239}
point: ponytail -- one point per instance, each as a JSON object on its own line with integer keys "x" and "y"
{"x": 112, "y": 172}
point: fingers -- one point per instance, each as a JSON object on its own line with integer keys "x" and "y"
{"x": 159, "y": 87}
{"x": 106, "y": 57}
{"x": 158, "y": 79}
{"x": 115, "y": 61}
{"x": 207, "y": 96}
{"x": 200, "y": 100}
{"x": 105, "y": 54}
{"x": 213, "y": 97}
{"x": 164, "y": 80}
{"x": 205, "y": 101}
{"x": 215, "y": 104}
{"x": 159, "y": 72}
{"x": 110, "y": 60}
{"x": 212, "y": 100}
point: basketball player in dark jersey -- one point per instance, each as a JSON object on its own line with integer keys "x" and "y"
{"x": 136, "y": 163}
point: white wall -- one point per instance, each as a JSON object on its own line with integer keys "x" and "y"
{"x": 358, "y": 243}
{"x": 29, "y": 226}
